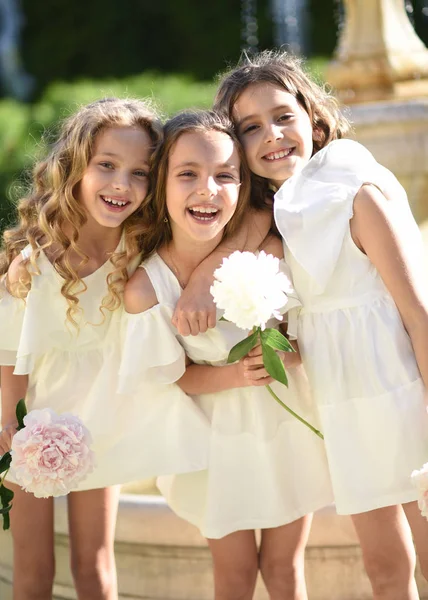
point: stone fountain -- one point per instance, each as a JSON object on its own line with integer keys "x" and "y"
{"x": 381, "y": 71}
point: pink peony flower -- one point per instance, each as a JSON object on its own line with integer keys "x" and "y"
{"x": 420, "y": 479}
{"x": 51, "y": 454}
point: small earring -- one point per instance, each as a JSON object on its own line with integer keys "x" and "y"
{"x": 165, "y": 220}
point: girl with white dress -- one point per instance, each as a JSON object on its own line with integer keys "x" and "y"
{"x": 265, "y": 469}
{"x": 64, "y": 268}
{"x": 355, "y": 255}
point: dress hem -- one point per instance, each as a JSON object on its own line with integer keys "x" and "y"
{"x": 249, "y": 524}
{"x": 381, "y": 502}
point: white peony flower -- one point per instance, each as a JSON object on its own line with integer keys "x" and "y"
{"x": 251, "y": 289}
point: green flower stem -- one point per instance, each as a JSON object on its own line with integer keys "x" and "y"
{"x": 298, "y": 417}
{"x": 4, "y": 477}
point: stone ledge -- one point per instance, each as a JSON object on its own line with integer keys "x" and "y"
{"x": 145, "y": 519}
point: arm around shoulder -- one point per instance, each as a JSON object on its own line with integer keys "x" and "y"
{"x": 139, "y": 293}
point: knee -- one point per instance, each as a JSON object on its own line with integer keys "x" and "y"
{"x": 390, "y": 572}
{"x": 27, "y": 580}
{"x": 95, "y": 576}
{"x": 236, "y": 583}
{"x": 283, "y": 578}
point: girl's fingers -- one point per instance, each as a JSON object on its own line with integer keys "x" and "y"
{"x": 256, "y": 361}
{"x": 255, "y": 374}
{"x": 256, "y": 351}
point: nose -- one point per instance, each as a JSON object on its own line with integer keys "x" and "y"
{"x": 208, "y": 187}
{"x": 273, "y": 133}
{"x": 121, "y": 180}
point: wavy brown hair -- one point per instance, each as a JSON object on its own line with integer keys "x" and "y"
{"x": 155, "y": 228}
{"x": 50, "y": 210}
{"x": 285, "y": 71}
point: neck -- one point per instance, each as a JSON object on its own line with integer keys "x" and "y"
{"x": 186, "y": 255}
{"x": 96, "y": 240}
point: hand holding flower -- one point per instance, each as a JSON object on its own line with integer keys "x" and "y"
{"x": 252, "y": 290}
{"x": 6, "y": 435}
{"x": 50, "y": 455}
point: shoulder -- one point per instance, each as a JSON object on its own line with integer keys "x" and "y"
{"x": 16, "y": 272}
{"x": 380, "y": 216}
{"x": 273, "y": 245}
{"x": 139, "y": 293}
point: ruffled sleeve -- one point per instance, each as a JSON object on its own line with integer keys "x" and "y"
{"x": 11, "y": 319}
{"x": 150, "y": 350}
{"x": 312, "y": 209}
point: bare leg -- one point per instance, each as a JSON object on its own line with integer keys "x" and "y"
{"x": 235, "y": 560}
{"x": 419, "y": 526}
{"x": 92, "y": 520}
{"x": 388, "y": 553}
{"x": 282, "y": 558}
{"x": 31, "y": 522}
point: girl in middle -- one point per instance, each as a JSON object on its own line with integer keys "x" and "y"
{"x": 266, "y": 470}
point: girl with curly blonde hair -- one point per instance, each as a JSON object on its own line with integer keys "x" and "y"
{"x": 64, "y": 267}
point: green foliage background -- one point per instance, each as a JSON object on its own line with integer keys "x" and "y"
{"x": 111, "y": 38}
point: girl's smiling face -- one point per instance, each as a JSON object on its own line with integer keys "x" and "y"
{"x": 275, "y": 130}
{"x": 202, "y": 186}
{"x": 115, "y": 182}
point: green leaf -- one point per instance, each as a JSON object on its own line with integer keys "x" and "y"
{"x": 6, "y": 496}
{"x": 223, "y": 319}
{"x": 21, "y": 411}
{"x": 6, "y": 522}
{"x": 242, "y": 348}
{"x": 273, "y": 364}
{"x": 5, "y": 510}
{"x": 5, "y": 461}
{"x": 275, "y": 339}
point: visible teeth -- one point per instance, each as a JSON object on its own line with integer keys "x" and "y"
{"x": 204, "y": 209}
{"x": 276, "y": 155}
{"x": 113, "y": 201}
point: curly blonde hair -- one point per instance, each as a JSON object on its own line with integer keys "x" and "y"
{"x": 285, "y": 71}
{"x": 50, "y": 207}
{"x": 155, "y": 230}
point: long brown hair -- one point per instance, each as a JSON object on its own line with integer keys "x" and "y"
{"x": 155, "y": 229}
{"x": 50, "y": 208}
{"x": 285, "y": 71}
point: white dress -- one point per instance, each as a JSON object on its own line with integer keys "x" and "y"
{"x": 134, "y": 436}
{"x": 357, "y": 354}
{"x": 265, "y": 468}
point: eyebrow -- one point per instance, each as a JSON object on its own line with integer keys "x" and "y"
{"x": 114, "y": 155}
{"x": 282, "y": 107}
{"x": 196, "y": 164}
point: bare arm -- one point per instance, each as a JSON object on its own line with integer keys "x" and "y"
{"x": 195, "y": 311}
{"x": 13, "y": 388}
{"x": 384, "y": 229}
{"x": 139, "y": 294}
{"x": 204, "y": 379}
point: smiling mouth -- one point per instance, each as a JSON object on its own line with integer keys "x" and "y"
{"x": 204, "y": 214}
{"x": 116, "y": 204}
{"x": 279, "y": 155}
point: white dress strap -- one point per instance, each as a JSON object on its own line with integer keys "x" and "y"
{"x": 27, "y": 252}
